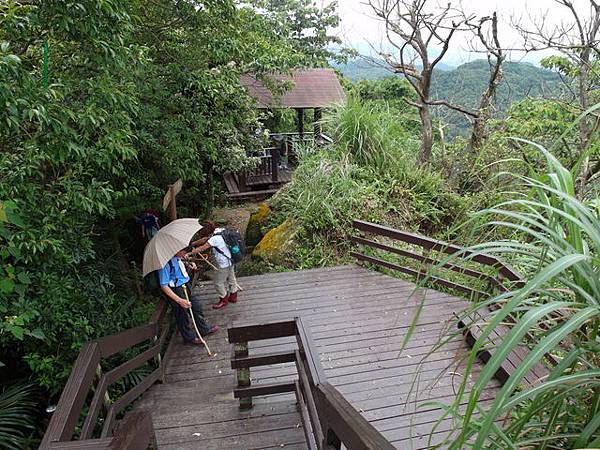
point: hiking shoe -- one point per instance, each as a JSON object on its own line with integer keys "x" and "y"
{"x": 222, "y": 302}
{"x": 232, "y": 297}
{"x": 212, "y": 330}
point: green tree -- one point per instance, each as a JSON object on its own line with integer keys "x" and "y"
{"x": 308, "y": 28}
{"x": 196, "y": 120}
{"x": 64, "y": 148}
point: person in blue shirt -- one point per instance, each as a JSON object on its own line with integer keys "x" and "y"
{"x": 172, "y": 279}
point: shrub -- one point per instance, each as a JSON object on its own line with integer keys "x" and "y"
{"x": 557, "y": 243}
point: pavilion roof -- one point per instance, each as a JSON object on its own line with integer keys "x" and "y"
{"x": 312, "y": 88}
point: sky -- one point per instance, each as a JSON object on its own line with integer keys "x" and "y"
{"x": 360, "y": 29}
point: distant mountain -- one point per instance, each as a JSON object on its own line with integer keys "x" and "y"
{"x": 465, "y": 84}
{"x": 368, "y": 68}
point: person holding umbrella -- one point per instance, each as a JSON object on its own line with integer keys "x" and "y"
{"x": 164, "y": 254}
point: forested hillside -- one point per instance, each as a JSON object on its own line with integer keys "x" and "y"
{"x": 464, "y": 84}
{"x": 368, "y": 68}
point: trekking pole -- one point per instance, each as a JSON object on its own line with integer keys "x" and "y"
{"x": 194, "y": 322}
{"x": 204, "y": 258}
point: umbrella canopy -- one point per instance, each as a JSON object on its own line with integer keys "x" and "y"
{"x": 168, "y": 241}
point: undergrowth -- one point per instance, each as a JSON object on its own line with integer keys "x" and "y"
{"x": 369, "y": 174}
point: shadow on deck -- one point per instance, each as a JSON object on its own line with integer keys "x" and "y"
{"x": 358, "y": 320}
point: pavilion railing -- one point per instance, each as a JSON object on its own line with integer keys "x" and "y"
{"x": 283, "y": 148}
{"x": 135, "y": 431}
{"x": 328, "y": 419}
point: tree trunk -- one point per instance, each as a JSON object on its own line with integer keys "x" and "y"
{"x": 426, "y": 134}
{"x": 210, "y": 189}
{"x": 585, "y": 129}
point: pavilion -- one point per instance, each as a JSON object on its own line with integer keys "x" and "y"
{"x": 314, "y": 89}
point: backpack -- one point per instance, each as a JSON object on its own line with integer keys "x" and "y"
{"x": 152, "y": 282}
{"x": 235, "y": 243}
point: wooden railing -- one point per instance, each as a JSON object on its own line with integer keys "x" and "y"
{"x": 427, "y": 259}
{"x": 135, "y": 431}
{"x": 267, "y": 170}
{"x": 328, "y": 419}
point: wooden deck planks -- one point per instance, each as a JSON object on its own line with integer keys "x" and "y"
{"x": 359, "y": 320}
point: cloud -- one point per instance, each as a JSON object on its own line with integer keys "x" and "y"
{"x": 361, "y": 30}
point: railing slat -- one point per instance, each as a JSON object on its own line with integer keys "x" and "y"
{"x": 65, "y": 418}
{"x": 263, "y": 331}
{"x": 306, "y": 346}
{"x": 159, "y": 311}
{"x": 89, "y": 444}
{"x": 126, "y": 399}
{"x": 408, "y": 254}
{"x": 263, "y": 389}
{"x": 420, "y": 275}
{"x": 306, "y": 422}
{"x": 310, "y": 400}
{"x": 262, "y": 360}
{"x": 109, "y": 345}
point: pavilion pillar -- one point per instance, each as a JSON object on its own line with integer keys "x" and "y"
{"x": 317, "y": 122}
{"x": 300, "y": 122}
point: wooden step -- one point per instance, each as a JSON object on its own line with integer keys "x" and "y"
{"x": 473, "y": 328}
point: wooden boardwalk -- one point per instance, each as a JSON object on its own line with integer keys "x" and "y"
{"x": 358, "y": 320}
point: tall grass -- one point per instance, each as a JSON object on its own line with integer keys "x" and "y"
{"x": 362, "y": 131}
{"x": 559, "y": 248}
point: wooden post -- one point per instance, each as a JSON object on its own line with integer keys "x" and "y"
{"x": 158, "y": 359}
{"x": 106, "y": 401}
{"x": 243, "y": 375}
{"x": 275, "y": 161}
{"x": 242, "y": 181}
{"x": 172, "y": 204}
{"x": 301, "y": 122}
{"x": 317, "y": 124}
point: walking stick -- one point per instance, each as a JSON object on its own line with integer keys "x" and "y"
{"x": 194, "y": 322}
{"x": 205, "y": 259}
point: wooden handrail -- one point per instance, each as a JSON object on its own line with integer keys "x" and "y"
{"x": 433, "y": 244}
{"x": 61, "y": 428}
{"x": 329, "y": 419}
{"x": 503, "y": 270}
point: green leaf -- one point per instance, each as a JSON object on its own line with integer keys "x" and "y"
{"x": 17, "y": 331}
{"x": 23, "y": 277}
{"x": 37, "y": 333}
{"x": 6, "y": 285}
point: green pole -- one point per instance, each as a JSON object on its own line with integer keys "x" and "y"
{"x": 45, "y": 66}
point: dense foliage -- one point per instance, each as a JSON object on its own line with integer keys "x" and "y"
{"x": 554, "y": 238}
{"x": 104, "y": 104}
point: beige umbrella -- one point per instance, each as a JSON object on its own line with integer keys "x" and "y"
{"x": 168, "y": 241}
{"x": 164, "y": 245}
